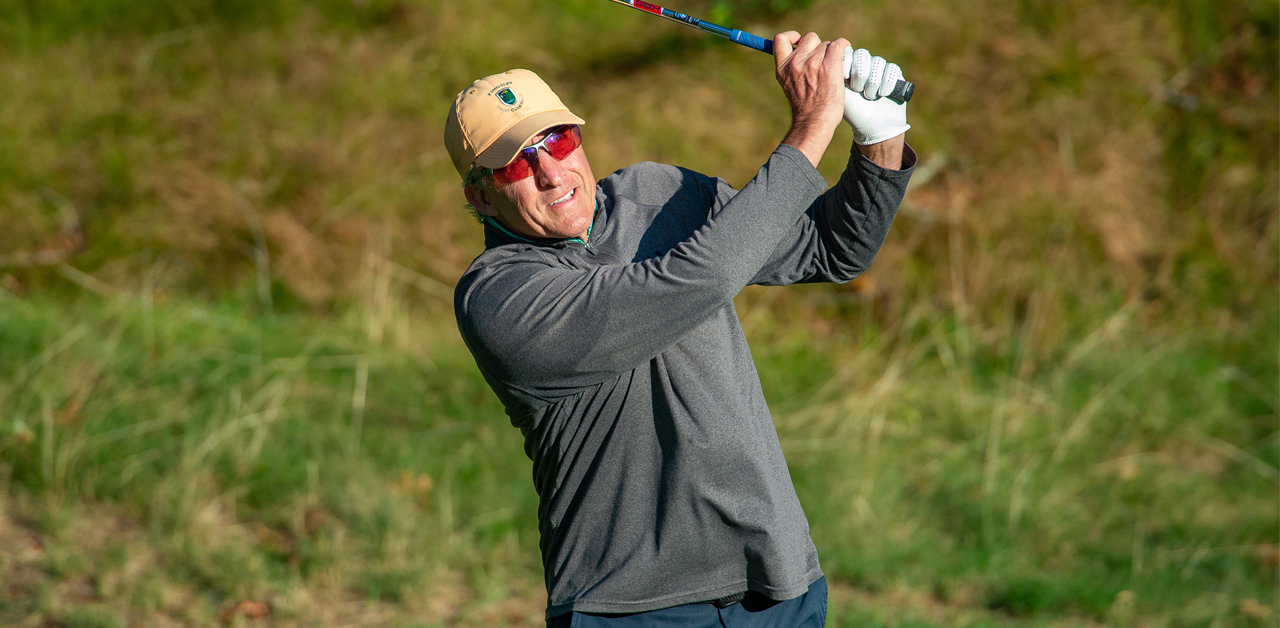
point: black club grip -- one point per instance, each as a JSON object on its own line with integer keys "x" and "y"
{"x": 902, "y": 92}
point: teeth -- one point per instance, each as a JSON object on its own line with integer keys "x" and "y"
{"x": 564, "y": 198}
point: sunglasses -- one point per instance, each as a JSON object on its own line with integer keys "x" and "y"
{"x": 561, "y": 141}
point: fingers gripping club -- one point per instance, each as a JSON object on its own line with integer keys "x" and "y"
{"x": 873, "y": 78}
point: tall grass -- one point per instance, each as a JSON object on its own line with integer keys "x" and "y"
{"x": 231, "y": 385}
{"x": 325, "y": 467}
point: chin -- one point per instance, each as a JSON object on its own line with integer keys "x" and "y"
{"x": 575, "y": 219}
{"x": 572, "y": 229}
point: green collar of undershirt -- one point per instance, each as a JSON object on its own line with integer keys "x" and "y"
{"x": 494, "y": 223}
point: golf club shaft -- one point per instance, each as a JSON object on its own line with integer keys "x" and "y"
{"x": 746, "y": 39}
{"x": 902, "y": 92}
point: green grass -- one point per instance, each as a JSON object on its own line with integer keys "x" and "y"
{"x": 1101, "y": 473}
{"x": 379, "y": 469}
{"x": 229, "y": 372}
{"x": 271, "y": 454}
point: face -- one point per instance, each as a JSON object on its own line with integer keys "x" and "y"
{"x": 557, "y": 202}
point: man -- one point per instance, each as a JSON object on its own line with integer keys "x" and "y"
{"x": 601, "y": 314}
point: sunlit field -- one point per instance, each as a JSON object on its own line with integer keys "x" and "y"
{"x": 232, "y": 390}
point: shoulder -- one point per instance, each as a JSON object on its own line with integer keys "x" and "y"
{"x": 498, "y": 271}
{"x": 651, "y": 183}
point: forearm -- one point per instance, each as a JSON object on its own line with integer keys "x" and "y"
{"x": 886, "y": 154}
{"x": 854, "y": 217}
{"x": 840, "y": 234}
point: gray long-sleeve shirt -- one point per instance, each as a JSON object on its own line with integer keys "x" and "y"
{"x": 660, "y": 477}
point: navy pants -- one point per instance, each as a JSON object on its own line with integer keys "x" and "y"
{"x": 756, "y": 611}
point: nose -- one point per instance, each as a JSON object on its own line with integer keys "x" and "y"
{"x": 547, "y": 170}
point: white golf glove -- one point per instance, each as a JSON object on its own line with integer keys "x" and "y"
{"x": 868, "y": 80}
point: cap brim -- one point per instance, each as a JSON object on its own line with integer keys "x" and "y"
{"x": 504, "y": 149}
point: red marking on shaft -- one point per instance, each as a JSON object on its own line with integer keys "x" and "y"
{"x": 645, "y": 6}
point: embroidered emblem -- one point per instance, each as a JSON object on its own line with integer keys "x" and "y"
{"x": 509, "y": 100}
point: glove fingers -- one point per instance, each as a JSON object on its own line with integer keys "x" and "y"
{"x": 860, "y": 70}
{"x": 892, "y": 74}
{"x": 873, "y": 117}
{"x": 875, "y": 78}
{"x": 847, "y": 60}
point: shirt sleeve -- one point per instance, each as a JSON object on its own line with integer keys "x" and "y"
{"x": 546, "y": 328}
{"x": 838, "y": 236}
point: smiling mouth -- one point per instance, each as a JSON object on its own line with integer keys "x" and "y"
{"x": 566, "y": 198}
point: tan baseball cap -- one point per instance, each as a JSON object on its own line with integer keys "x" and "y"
{"x": 494, "y": 118}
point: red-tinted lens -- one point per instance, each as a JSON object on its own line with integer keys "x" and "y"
{"x": 563, "y": 141}
{"x": 559, "y": 144}
{"x": 515, "y": 171}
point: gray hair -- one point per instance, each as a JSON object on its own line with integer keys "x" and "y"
{"x": 477, "y": 177}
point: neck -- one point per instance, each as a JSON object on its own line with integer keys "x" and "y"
{"x": 583, "y": 237}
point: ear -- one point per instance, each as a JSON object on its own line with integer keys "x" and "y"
{"x": 477, "y": 198}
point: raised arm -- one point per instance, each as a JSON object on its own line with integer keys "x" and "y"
{"x": 839, "y": 236}
{"x": 544, "y": 326}
{"x": 548, "y": 323}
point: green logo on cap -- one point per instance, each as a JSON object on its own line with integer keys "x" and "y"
{"x": 507, "y": 97}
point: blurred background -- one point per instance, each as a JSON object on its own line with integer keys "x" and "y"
{"x": 232, "y": 391}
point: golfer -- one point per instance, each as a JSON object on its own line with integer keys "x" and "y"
{"x": 601, "y": 313}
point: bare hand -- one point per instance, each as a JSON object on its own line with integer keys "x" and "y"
{"x": 811, "y": 74}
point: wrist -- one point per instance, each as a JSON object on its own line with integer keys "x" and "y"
{"x": 886, "y": 154}
{"x": 810, "y": 137}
